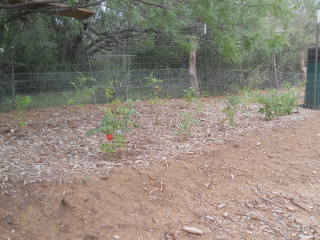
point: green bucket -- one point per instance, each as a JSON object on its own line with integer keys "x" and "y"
{"x": 312, "y": 90}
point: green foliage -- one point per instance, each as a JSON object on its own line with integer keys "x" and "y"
{"x": 278, "y": 103}
{"x": 205, "y": 93}
{"x": 189, "y": 94}
{"x": 58, "y": 39}
{"x": 248, "y": 95}
{"x": 235, "y": 28}
{"x": 155, "y": 100}
{"x": 21, "y": 102}
{"x": 83, "y": 91}
{"x": 109, "y": 90}
{"x": 154, "y": 83}
{"x": 234, "y": 104}
{"x": 188, "y": 119}
{"x": 117, "y": 121}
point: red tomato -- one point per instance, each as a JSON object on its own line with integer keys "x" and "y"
{"x": 109, "y": 137}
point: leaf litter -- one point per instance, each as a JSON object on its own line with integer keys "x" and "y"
{"x": 208, "y": 165}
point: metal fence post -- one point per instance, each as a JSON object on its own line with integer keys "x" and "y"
{"x": 13, "y": 88}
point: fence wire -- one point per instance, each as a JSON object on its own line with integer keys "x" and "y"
{"x": 56, "y": 89}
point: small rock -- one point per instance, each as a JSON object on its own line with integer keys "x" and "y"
{"x": 116, "y": 237}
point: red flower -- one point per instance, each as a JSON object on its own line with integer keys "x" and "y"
{"x": 202, "y": 100}
{"x": 109, "y": 137}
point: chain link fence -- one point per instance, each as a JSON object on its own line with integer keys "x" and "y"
{"x": 59, "y": 88}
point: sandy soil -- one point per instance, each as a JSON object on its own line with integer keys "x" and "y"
{"x": 259, "y": 180}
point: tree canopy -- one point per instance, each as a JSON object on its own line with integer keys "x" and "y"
{"x": 236, "y": 28}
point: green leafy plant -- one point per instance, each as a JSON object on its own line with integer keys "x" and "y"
{"x": 189, "y": 94}
{"x": 21, "y": 102}
{"x": 154, "y": 83}
{"x": 155, "y": 100}
{"x": 109, "y": 90}
{"x": 233, "y": 105}
{"x": 116, "y": 122}
{"x": 188, "y": 119}
{"x": 278, "y": 103}
{"x": 205, "y": 94}
{"x": 82, "y": 90}
{"x": 249, "y": 95}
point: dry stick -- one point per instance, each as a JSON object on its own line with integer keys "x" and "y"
{"x": 161, "y": 186}
{"x": 152, "y": 178}
{"x": 115, "y": 192}
{"x": 153, "y": 190}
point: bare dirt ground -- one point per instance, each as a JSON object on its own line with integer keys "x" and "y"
{"x": 259, "y": 180}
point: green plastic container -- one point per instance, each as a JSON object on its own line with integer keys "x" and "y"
{"x": 312, "y": 91}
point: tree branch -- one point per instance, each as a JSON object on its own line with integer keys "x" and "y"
{"x": 26, "y": 4}
{"x": 40, "y": 6}
{"x": 153, "y": 4}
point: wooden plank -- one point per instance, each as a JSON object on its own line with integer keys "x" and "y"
{"x": 77, "y": 13}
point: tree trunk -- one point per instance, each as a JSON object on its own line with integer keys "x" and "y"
{"x": 303, "y": 68}
{"x": 193, "y": 78}
{"x": 275, "y": 71}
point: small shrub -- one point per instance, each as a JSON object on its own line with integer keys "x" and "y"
{"x": 233, "y": 105}
{"x": 116, "y": 122}
{"x": 155, "y": 100}
{"x": 277, "y": 103}
{"x": 109, "y": 89}
{"x": 187, "y": 120}
{"x": 21, "y": 103}
{"x": 189, "y": 94}
{"x": 154, "y": 83}
{"x": 82, "y": 90}
{"x": 249, "y": 95}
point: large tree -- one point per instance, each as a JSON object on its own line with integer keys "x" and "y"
{"x": 235, "y": 27}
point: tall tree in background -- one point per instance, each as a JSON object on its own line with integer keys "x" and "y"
{"x": 236, "y": 28}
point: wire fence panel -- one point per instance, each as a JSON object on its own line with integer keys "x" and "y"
{"x": 57, "y": 89}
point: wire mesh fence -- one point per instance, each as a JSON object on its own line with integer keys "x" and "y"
{"x": 58, "y": 88}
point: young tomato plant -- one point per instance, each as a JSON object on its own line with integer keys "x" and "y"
{"x": 21, "y": 103}
{"x": 188, "y": 119}
{"x": 155, "y": 100}
{"x": 82, "y": 90}
{"x": 116, "y": 122}
{"x": 276, "y": 103}
{"x": 233, "y": 105}
{"x": 189, "y": 94}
